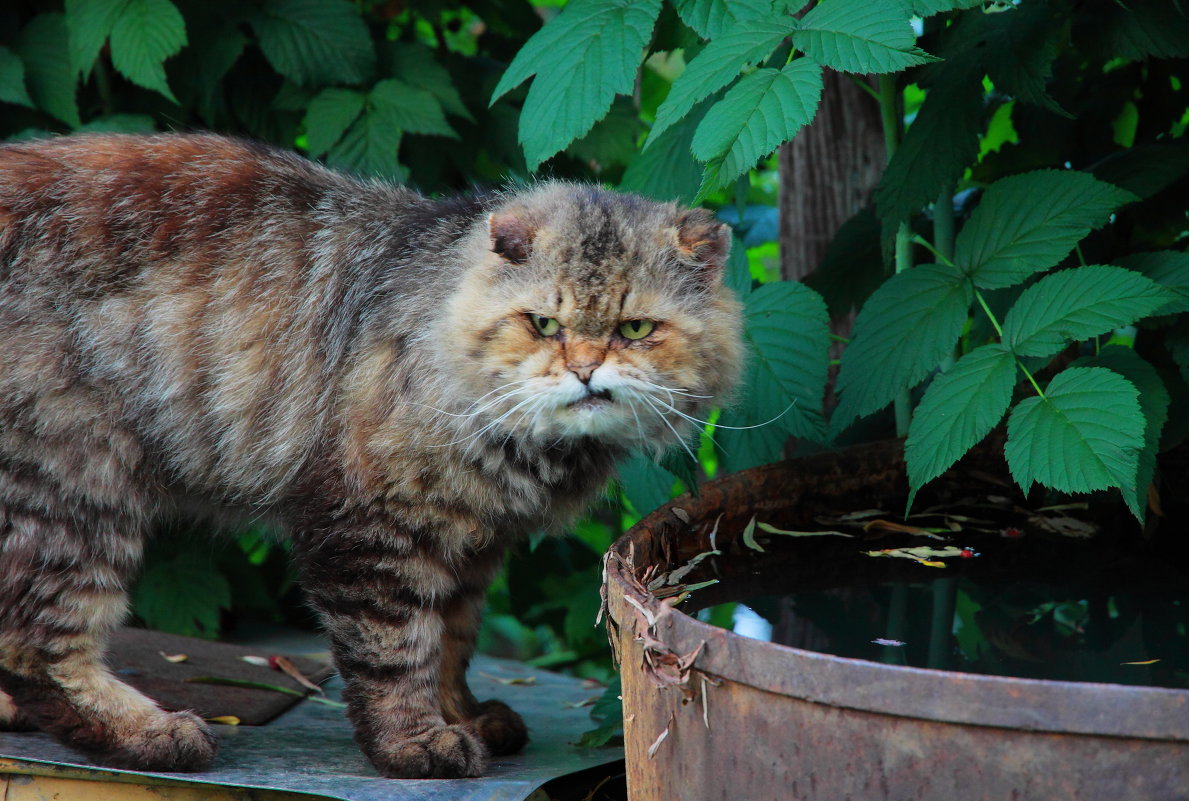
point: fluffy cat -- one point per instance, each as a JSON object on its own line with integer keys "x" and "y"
{"x": 404, "y": 385}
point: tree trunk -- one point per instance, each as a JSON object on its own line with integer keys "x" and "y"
{"x": 827, "y": 173}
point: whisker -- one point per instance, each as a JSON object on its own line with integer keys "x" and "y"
{"x": 665, "y": 420}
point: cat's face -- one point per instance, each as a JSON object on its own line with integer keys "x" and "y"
{"x": 597, "y": 315}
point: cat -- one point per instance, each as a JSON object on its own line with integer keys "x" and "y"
{"x": 405, "y": 386}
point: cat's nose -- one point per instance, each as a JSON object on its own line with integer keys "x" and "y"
{"x": 583, "y": 358}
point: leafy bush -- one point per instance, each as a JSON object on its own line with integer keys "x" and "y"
{"x": 1041, "y": 172}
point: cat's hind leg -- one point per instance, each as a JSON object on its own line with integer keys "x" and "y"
{"x": 70, "y": 537}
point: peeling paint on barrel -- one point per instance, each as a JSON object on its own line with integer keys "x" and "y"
{"x": 758, "y": 720}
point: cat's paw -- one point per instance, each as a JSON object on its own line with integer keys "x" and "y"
{"x": 500, "y": 727}
{"x": 172, "y": 741}
{"x": 11, "y": 716}
{"x": 444, "y": 752}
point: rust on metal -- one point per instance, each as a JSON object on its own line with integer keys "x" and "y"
{"x": 712, "y": 715}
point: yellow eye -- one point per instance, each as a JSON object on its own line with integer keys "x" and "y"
{"x": 546, "y": 326}
{"x": 636, "y": 329}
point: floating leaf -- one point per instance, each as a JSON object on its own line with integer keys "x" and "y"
{"x": 749, "y": 536}
{"x": 784, "y": 532}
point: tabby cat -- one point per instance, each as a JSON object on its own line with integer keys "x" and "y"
{"x": 403, "y": 385}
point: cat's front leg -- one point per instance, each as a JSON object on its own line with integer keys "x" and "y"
{"x": 500, "y": 727}
{"x": 382, "y": 599}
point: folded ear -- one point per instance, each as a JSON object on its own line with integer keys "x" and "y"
{"x": 703, "y": 238}
{"x": 512, "y": 235}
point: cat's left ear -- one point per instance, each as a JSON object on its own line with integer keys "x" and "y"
{"x": 512, "y": 235}
{"x": 703, "y": 238}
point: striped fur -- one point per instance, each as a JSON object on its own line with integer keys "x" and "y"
{"x": 198, "y": 323}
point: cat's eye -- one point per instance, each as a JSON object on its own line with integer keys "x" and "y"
{"x": 636, "y": 329}
{"x": 546, "y": 326}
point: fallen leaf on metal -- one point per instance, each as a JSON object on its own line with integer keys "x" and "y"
{"x": 226, "y": 720}
{"x": 513, "y": 681}
{"x": 175, "y": 658}
{"x": 286, "y": 666}
{"x": 774, "y": 530}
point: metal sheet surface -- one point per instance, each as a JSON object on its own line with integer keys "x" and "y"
{"x": 310, "y": 748}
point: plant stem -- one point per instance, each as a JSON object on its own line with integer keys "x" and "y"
{"x": 983, "y": 302}
{"x": 999, "y": 330}
{"x": 943, "y": 235}
{"x": 893, "y": 124}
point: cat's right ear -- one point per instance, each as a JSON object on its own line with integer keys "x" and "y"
{"x": 511, "y": 236}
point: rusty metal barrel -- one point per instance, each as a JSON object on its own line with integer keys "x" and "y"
{"x": 713, "y": 715}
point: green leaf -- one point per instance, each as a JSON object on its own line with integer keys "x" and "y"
{"x": 1027, "y": 223}
{"x": 761, "y": 112}
{"x": 788, "y": 337}
{"x": 315, "y": 42}
{"x": 737, "y": 275}
{"x": 329, "y": 115}
{"x": 901, "y": 334}
{"x": 711, "y": 18}
{"x": 1145, "y": 169}
{"x": 89, "y": 23}
{"x": 927, "y": 8}
{"x": 1019, "y": 47}
{"x": 43, "y": 46}
{"x": 612, "y": 140}
{"x": 12, "y": 79}
{"x": 1138, "y": 31}
{"x": 582, "y": 58}
{"x": 668, "y": 172}
{"x": 410, "y": 109}
{"x": 182, "y": 595}
{"x": 1170, "y": 269}
{"x": 415, "y": 65}
{"x": 369, "y": 147}
{"x": 146, "y": 33}
{"x": 957, "y": 410}
{"x": 1077, "y": 304}
{"x": 646, "y": 484}
{"x": 1084, "y": 435}
{"x": 1153, "y": 401}
{"x": 716, "y": 66}
{"x": 860, "y": 36}
{"x": 942, "y": 141}
{"x": 122, "y": 123}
